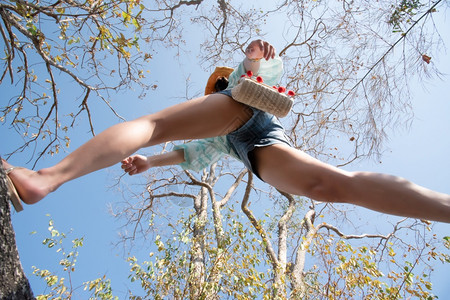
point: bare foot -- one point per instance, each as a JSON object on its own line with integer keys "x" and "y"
{"x": 30, "y": 185}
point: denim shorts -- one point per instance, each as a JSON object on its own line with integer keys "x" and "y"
{"x": 263, "y": 129}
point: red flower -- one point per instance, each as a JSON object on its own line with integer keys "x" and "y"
{"x": 291, "y": 93}
{"x": 281, "y": 89}
{"x": 249, "y": 73}
{"x": 259, "y": 79}
{"x": 275, "y": 87}
{"x": 242, "y": 75}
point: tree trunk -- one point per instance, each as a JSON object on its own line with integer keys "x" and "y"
{"x": 13, "y": 282}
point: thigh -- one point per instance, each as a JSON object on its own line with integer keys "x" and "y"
{"x": 295, "y": 172}
{"x": 208, "y": 116}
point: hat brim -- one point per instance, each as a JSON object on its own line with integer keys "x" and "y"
{"x": 218, "y": 72}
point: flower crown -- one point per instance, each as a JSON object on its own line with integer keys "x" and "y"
{"x": 280, "y": 89}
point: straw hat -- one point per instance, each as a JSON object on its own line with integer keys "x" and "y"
{"x": 218, "y": 72}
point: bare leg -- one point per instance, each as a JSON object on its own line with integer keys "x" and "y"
{"x": 203, "y": 117}
{"x": 295, "y": 172}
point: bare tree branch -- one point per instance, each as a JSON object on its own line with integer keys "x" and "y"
{"x": 262, "y": 232}
{"x": 353, "y": 236}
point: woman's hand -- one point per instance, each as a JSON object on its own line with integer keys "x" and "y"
{"x": 259, "y": 49}
{"x": 135, "y": 164}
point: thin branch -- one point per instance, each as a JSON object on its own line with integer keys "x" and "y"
{"x": 353, "y": 236}
{"x": 10, "y": 55}
{"x": 37, "y": 40}
{"x": 262, "y": 232}
{"x": 381, "y": 59}
{"x": 55, "y": 107}
{"x": 233, "y": 187}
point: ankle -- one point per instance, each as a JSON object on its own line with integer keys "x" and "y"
{"x": 53, "y": 181}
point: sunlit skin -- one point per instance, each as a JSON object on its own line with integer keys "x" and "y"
{"x": 279, "y": 165}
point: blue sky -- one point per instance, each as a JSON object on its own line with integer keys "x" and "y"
{"x": 419, "y": 154}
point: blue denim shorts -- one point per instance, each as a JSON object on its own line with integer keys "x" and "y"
{"x": 263, "y": 129}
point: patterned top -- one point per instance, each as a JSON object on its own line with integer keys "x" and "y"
{"x": 202, "y": 153}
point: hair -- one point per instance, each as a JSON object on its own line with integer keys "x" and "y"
{"x": 221, "y": 84}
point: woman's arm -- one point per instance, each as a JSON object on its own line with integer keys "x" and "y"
{"x": 138, "y": 163}
{"x": 261, "y": 59}
{"x": 256, "y": 51}
{"x": 195, "y": 155}
{"x": 202, "y": 153}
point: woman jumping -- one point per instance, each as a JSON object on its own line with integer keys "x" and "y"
{"x": 254, "y": 137}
